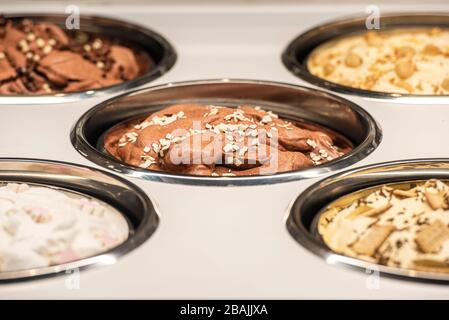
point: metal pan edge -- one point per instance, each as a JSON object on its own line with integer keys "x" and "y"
{"x": 122, "y": 195}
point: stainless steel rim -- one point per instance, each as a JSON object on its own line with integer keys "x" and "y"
{"x": 305, "y": 208}
{"x": 85, "y": 144}
{"x": 296, "y": 54}
{"x": 126, "y": 197}
{"x": 150, "y": 41}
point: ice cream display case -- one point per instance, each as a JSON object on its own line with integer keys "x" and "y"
{"x": 95, "y": 201}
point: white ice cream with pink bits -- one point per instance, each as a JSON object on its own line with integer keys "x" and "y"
{"x": 41, "y": 226}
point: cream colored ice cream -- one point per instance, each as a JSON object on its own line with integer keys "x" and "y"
{"x": 41, "y": 226}
{"x": 407, "y": 61}
{"x": 402, "y": 225}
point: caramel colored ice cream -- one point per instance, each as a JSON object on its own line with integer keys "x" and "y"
{"x": 211, "y": 140}
{"x": 42, "y": 58}
{"x": 406, "y": 61}
{"x": 399, "y": 225}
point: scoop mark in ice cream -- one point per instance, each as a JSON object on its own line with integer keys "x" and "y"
{"x": 42, "y": 226}
{"x": 41, "y": 58}
{"x": 212, "y": 140}
{"x": 410, "y": 61}
{"x": 410, "y": 232}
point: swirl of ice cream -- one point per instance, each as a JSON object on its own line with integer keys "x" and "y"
{"x": 212, "y": 140}
{"x": 407, "y": 60}
{"x": 400, "y": 225}
{"x": 41, "y": 58}
{"x": 41, "y": 226}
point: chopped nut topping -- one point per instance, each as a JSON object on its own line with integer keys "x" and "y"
{"x": 405, "y": 52}
{"x": 405, "y": 69}
{"x": 353, "y": 60}
{"x": 432, "y": 50}
{"x": 31, "y": 37}
{"x": 47, "y": 49}
{"x": 266, "y": 119}
{"x": 40, "y": 43}
{"x": 46, "y": 87}
{"x": 228, "y": 174}
{"x": 373, "y": 39}
{"x": 97, "y": 44}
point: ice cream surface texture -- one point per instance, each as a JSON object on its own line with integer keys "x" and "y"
{"x": 42, "y": 58}
{"x": 42, "y": 226}
{"x": 406, "y": 61}
{"x": 402, "y": 225}
{"x": 217, "y": 140}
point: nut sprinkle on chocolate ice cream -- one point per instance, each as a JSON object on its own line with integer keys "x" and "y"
{"x": 41, "y": 58}
{"x": 215, "y": 140}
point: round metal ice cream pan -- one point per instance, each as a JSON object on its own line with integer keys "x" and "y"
{"x": 160, "y": 54}
{"x": 290, "y": 102}
{"x": 121, "y": 195}
{"x": 305, "y": 210}
{"x": 296, "y": 55}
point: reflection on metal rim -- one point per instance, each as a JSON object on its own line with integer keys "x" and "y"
{"x": 304, "y": 209}
{"x": 160, "y": 50}
{"x": 297, "y": 52}
{"x": 289, "y": 101}
{"x": 124, "y": 196}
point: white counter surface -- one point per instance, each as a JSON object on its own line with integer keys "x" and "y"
{"x": 228, "y": 242}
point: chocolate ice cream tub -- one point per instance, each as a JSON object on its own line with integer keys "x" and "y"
{"x": 297, "y": 104}
{"x": 55, "y": 64}
{"x": 53, "y": 198}
{"x": 398, "y": 72}
{"x": 317, "y": 207}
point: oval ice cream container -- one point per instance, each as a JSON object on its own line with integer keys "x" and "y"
{"x": 288, "y": 101}
{"x": 298, "y": 54}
